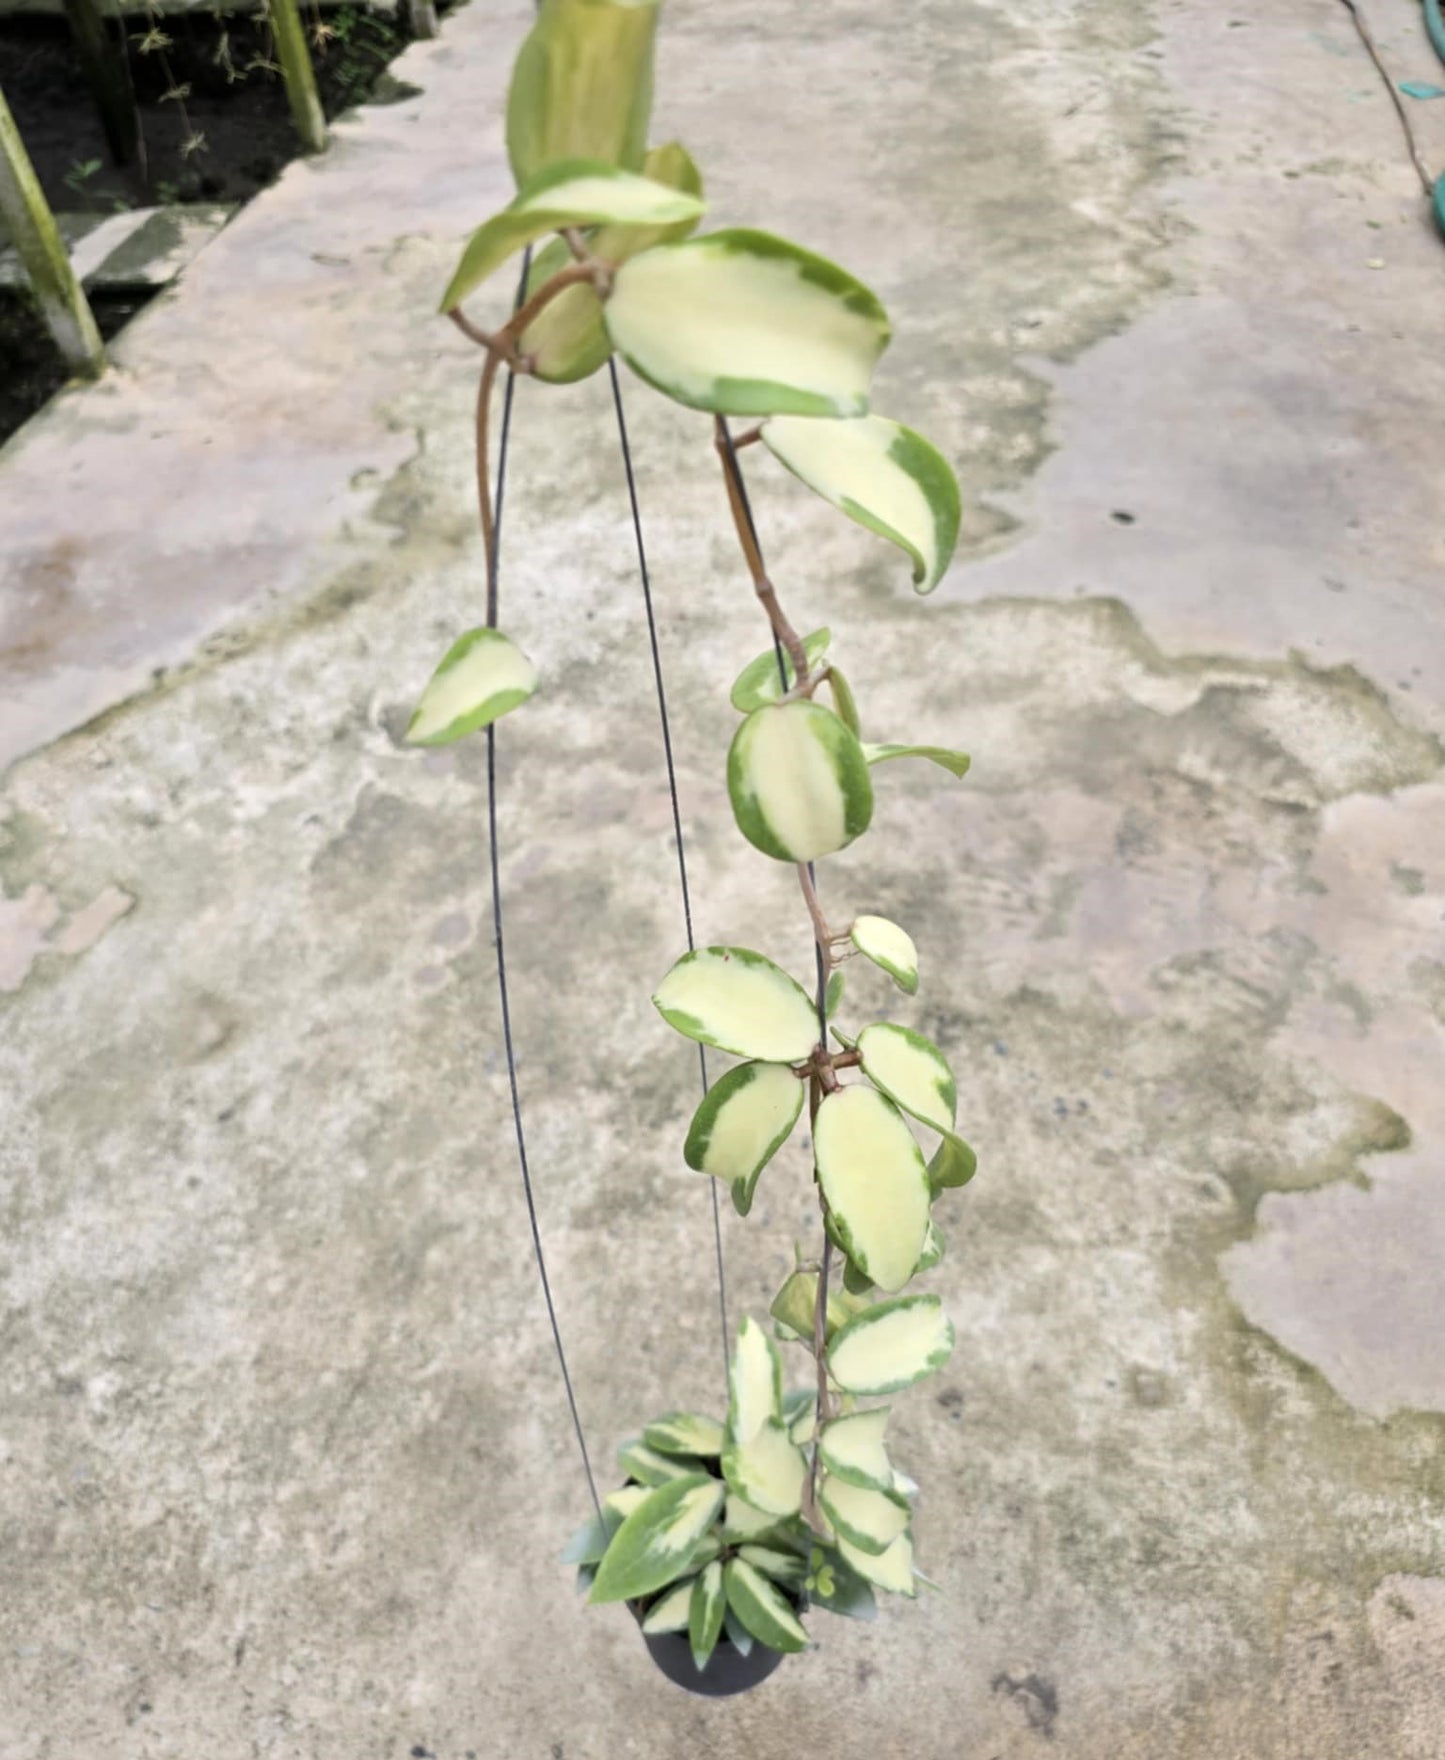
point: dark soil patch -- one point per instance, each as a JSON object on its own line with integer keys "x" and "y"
{"x": 214, "y": 123}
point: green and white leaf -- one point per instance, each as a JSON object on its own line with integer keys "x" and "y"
{"x": 649, "y": 1467}
{"x": 755, "y": 1385}
{"x": 889, "y": 947}
{"x": 481, "y": 676}
{"x": 875, "y": 1182}
{"x": 745, "y": 1118}
{"x": 884, "y": 476}
{"x": 761, "y": 1608}
{"x": 956, "y": 763}
{"x": 837, "y": 1587}
{"x": 892, "y": 1570}
{"x": 669, "y": 1613}
{"x": 783, "y": 1567}
{"x": 798, "y": 781}
{"x": 934, "y": 1247}
{"x": 738, "y": 1634}
{"x": 740, "y": 1002}
{"x": 743, "y": 323}
{"x": 706, "y": 1550}
{"x": 869, "y": 1519}
{"x": 705, "y": 1614}
{"x": 911, "y": 1071}
{"x": 954, "y": 1164}
{"x": 888, "y": 1347}
{"x": 657, "y": 1539}
{"x": 800, "y": 1413}
{"x": 833, "y": 996}
{"x": 684, "y": 1433}
{"x": 577, "y": 192}
{"x": 852, "y": 1450}
{"x": 567, "y": 340}
{"x": 768, "y": 1471}
{"x": 624, "y": 1500}
{"x": 742, "y": 1522}
{"x": 582, "y": 85}
{"x": 758, "y": 684}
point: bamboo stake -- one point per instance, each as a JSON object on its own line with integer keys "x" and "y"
{"x": 300, "y": 76}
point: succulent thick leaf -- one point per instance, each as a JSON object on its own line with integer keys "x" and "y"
{"x": 740, "y": 1002}
{"x": 481, "y": 676}
{"x": 744, "y": 1119}
{"x": 890, "y": 1346}
{"x": 746, "y": 324}
{"x": 657, "y": 1539}
{"x": 755, "y": 1384}
{"x": 738, "y": 1634}
{"x": 844, "y": 705}
{"x": 933, "y": 1248}
{"x": 798, "y": 781}
{"x": 911, "y": 1071}
{"x": 833, "y": 1584}
{"x": 590, "y": 1541}
{"x": 669, "y": 1613}
{"x": 783, "y": 1567}
{"x": 578, "y": 192}
{"x": 582, "y": 85}
{"x": 742, "y": 1522}
{"x": 953, "y": 1164}
{"x": 800, "y": 1412}
{"x": 768, "y": 1471}
{"x": 567, "y": 340}
{"x": 833, "y": 997}
{"x": 795, "y": 1306}
{"x": 623, "y": 1501}
{"x": 852, "y": 1450}
{"x": 705, "y": 1614}
{"x": 684, "y": 1433}
{"x": 759, "y": 683}
{"x": 648, "y": 1467}
{"x": 875, "y": 1182}
{"x": 956, "y": 763}
{"x": 761, "y": 1608}
{"x": 884, "y": 476}
{"x": 869, "y": 1519}
{"x": 892, "y": 1570}
{"x": 889, "y": 947}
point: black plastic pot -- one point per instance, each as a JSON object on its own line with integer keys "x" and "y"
{"x": 728, "y": 1671}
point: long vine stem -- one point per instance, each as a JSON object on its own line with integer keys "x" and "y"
{"x": 822, "y": 1077}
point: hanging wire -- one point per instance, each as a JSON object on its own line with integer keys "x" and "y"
{"x": 502, "y": 991}
{"x": 722, "y": 1298}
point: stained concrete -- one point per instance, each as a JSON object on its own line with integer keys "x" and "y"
{"x": 285, "y": 1462}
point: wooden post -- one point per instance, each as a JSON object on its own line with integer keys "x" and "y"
{"x": 107, "y": 73}
{"x": 32, "y": 230}
{"x": 300, "y": 77}
{"x": 422, "y": 16}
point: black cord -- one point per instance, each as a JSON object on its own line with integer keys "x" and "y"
{"x": 722, "y": 1298}
{"x": 501, "y": 955}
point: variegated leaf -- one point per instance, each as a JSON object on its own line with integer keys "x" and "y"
{"x": 760, "y": 1607}
{"x": 755, "y": 1384}
{"x": 481, "y": 676}
{"x": 911, "y": 1071}
{"x": 705, "y": 1614}
{"x": 892, "y": 1570}
{"x": 582, "y": 85}
{"x": 746, "y": 324}
{"x": 648, "y": 1467}
{"x": 768, "y": 1470}
{"x": 745, "y": 1118}
{"x": 798, "y": 781}
{"x": 852, "y": 1450}
{"x": 956, "y": 763}
{"x": 867, "y": 1518}
{"x": 760, "y": 683}
{"x": 881, "y": 474}
{"x": 740, "y": 1002}
{"x": 875, "y": 1183}
{"x": 684, "y": 1433}
{"x": 669, "y": 1613}
{"x": 889, "y": 947}
{"x": 658, "y": 1538}
{"x": 795, "y": 1306}
{"x": 890, "y": 1346}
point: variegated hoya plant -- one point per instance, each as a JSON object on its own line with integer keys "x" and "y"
{"x": 728, "y": 1531}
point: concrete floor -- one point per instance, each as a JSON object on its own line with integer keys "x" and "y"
{"x": 284, "y": 1462}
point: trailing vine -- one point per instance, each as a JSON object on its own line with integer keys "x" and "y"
{"x": 728, "y": 1529}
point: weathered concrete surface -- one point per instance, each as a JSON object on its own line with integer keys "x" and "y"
{"x": 284, "y": 1459}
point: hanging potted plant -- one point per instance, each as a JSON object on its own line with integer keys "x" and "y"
{"x": 729, "y": 1529}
